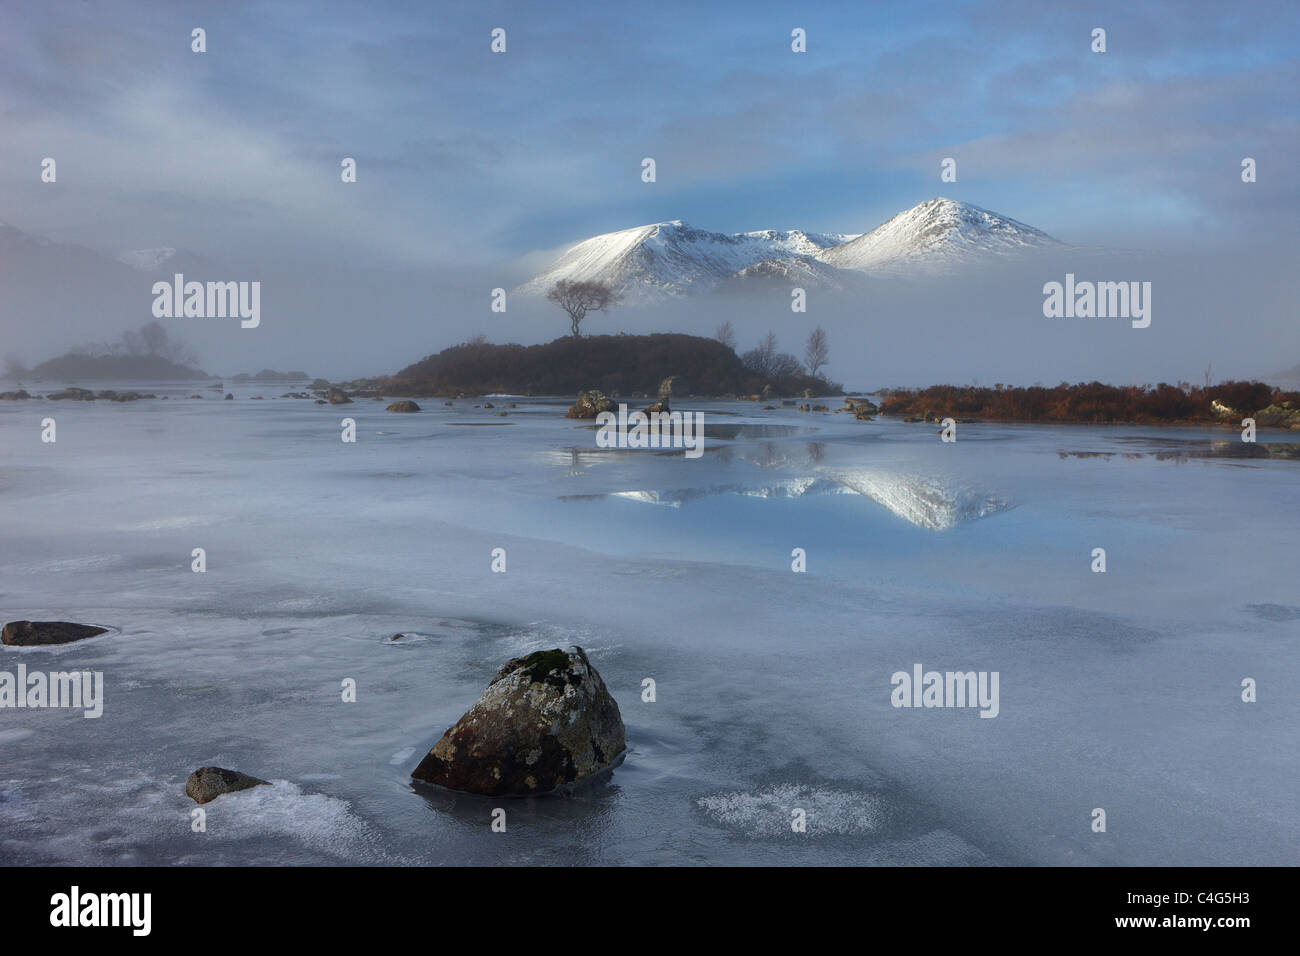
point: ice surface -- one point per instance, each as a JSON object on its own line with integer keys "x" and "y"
{"x": 1118, "y": 690}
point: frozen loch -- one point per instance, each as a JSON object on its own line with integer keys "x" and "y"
{"x": 748, "y": 610}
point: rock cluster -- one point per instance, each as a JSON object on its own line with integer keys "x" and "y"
{"x": 590, "y": 404}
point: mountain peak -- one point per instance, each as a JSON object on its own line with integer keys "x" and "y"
{"x": 936, "y": 235}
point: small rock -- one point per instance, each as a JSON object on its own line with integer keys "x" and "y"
{"x": 208, "y": 783}
{"x": 403, "y": 407}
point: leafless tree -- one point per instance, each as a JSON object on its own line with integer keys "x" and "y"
{"x": 762, "y": 357}
{"x": 817, "y": 351}
{"x": 726, "y": 334}
{"x": 579, "y": 298}
{"x": 766, "y": 361}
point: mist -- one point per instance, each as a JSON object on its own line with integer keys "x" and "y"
{"x": 1234, "y": 312}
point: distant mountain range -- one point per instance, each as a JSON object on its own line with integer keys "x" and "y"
{"x": 652, "y": 263}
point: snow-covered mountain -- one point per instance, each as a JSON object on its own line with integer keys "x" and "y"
{"x": 667, "y": 259}
{"x": 164, "y": 259}
{"x": 147, "y": 260}
{"x": 936, "y": 236}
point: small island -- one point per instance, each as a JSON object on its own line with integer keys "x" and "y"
{"x": 617, "y": 365}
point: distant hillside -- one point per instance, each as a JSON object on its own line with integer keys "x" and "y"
{"x": 615, "y": 364}
{"x": 85, "y": 368}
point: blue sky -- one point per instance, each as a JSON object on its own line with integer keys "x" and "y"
{"x": 466, "y": 156}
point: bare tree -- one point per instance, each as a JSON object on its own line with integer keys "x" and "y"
{"x": 726, "y": 334}
{"x": 766, "y": 361}
{"x": 817, "y": 351}
{"x": 785, "y": 365}
{"x": 579, "y": 298}
{"x": 762, "y": 357}
{"x": 152, "y": 340}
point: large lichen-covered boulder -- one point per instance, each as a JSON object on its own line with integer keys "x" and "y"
{"x": 590, "y": 404}
{"x": 1278, "y": 415}
{"x": 208, "y": 783}
{"x": 40, "y": 633}
{"x": 544, "y": 721}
